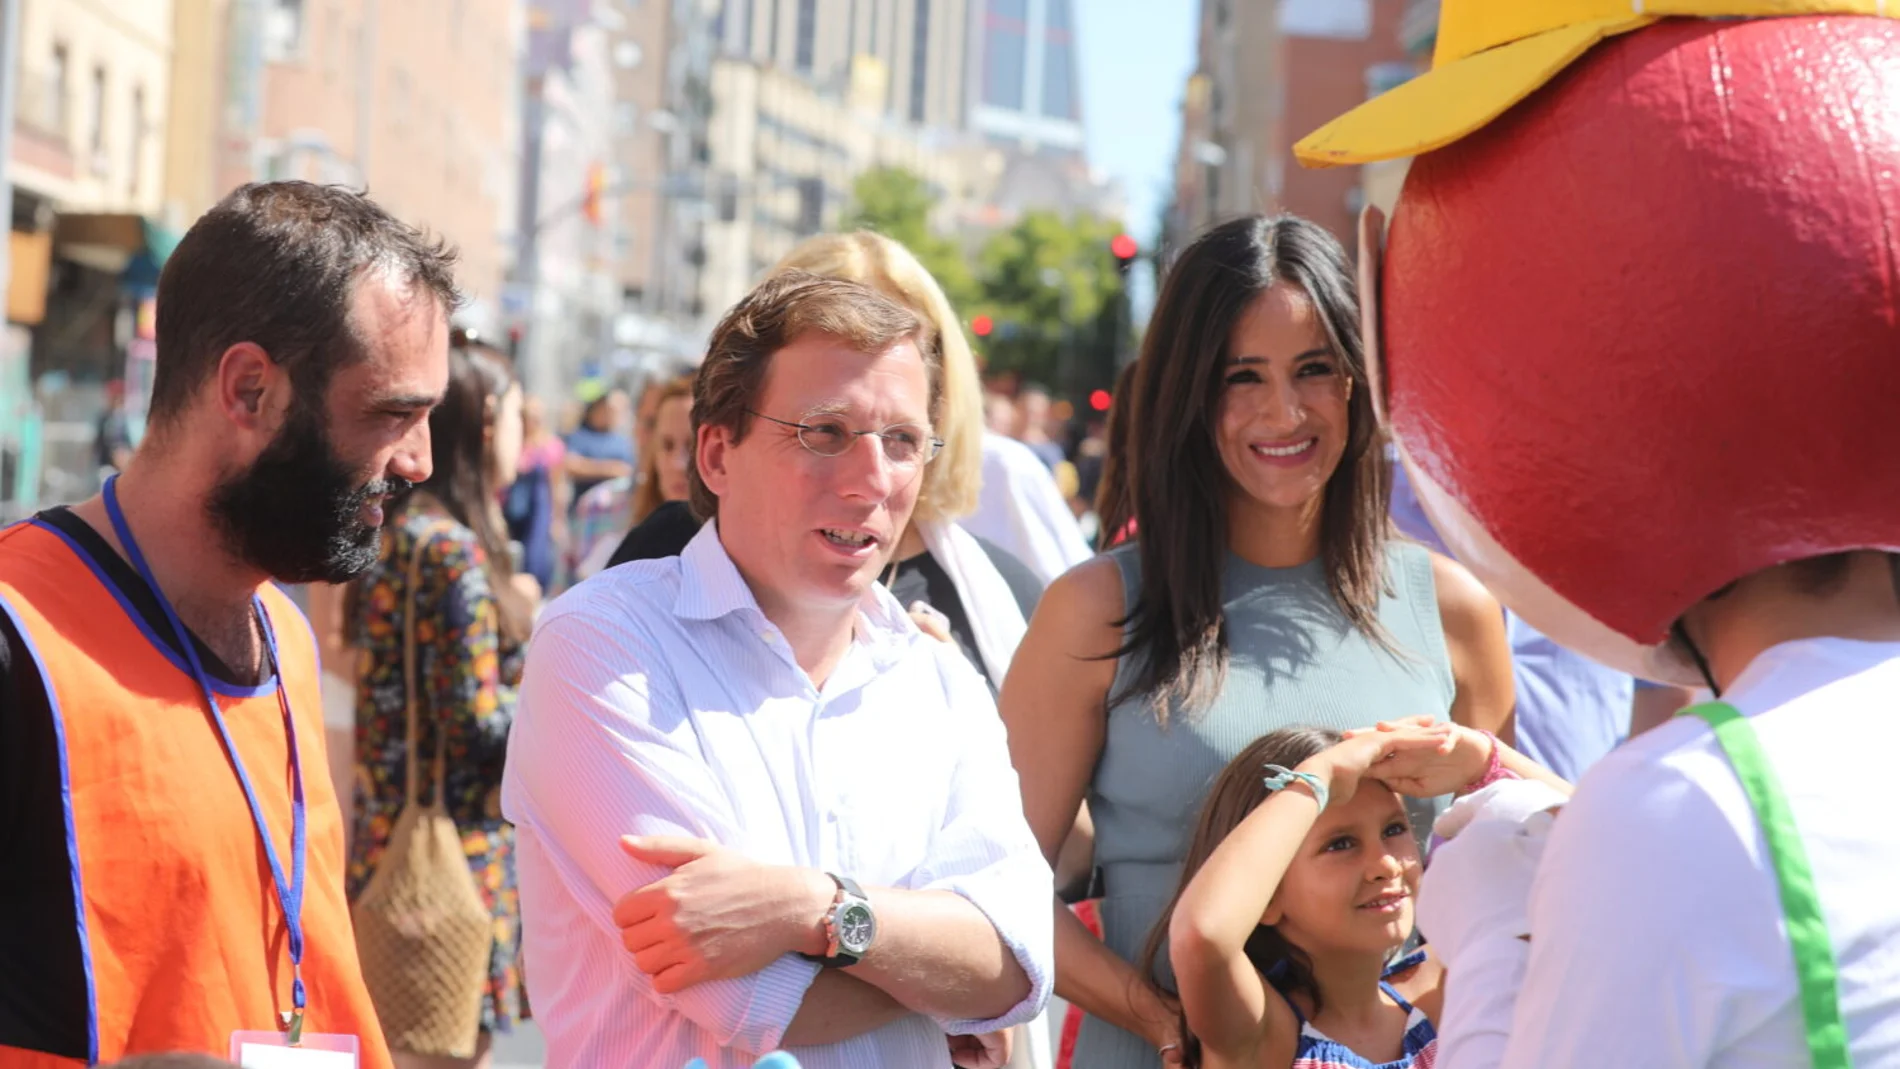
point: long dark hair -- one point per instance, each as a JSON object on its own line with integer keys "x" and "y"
{"x": 1114, "y": 497}
{"x": 1180, "y": 482}
{"x": 1237, "y": 790}
{"x": 479, "y": 377}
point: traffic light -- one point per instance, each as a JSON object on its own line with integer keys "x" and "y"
{"x": 1099, "y": 400}
{"x": 596, "y": 185}
{"x": 1124, "y": 250}
{"x": 981, "y": 326}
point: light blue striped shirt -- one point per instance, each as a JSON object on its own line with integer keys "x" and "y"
{"x": 659, "y": 700}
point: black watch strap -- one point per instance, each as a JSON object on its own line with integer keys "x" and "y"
{"x": 843, "y": 958}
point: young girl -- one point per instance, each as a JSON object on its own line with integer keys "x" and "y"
{"x": 1298, "y": 889}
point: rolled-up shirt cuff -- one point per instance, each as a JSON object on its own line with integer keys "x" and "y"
{"x": 1015, "y": 929}
{"x": 772, "y": 997}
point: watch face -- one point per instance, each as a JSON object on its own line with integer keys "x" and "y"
{"x": 855, "y": 928}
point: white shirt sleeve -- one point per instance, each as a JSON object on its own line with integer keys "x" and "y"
{"x": 1655, "y": 925}
{"x": 1021, "y": 510}
{"x": 985, "y": 851}
{"x": 603, "y": 748}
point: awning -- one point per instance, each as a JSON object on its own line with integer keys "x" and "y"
{"x": 128, "y": 245}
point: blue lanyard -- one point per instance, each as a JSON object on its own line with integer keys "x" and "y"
{"x": 289, "y": 893}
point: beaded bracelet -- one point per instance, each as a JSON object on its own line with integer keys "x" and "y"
{"x": 1494, "y": 769}
{"x": 1283, "y": 777}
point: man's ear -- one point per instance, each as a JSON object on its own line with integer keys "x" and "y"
{"x": 253, "y": 392}
{"x": 1371, "y": 272}
{"x": 710, "y": 453}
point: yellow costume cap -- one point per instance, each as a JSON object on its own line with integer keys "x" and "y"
{"x": 1493, "y": 53}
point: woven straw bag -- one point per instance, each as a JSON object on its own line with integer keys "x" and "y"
{"x": 423, "y": 934}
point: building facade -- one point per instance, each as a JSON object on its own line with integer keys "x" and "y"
{"x": 415, "y": 100}
{"x": 1269, "y": 73}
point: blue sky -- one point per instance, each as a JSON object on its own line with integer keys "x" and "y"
{"x": 1136, "y": 56}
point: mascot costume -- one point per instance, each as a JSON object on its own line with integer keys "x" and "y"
{"x": 1637, "y": 333}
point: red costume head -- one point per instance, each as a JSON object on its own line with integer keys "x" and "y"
{"x": 1641, "y": 329}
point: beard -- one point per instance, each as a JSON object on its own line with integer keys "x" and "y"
{"x": 296, "y": 513}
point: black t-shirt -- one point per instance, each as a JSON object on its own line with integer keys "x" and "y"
{"x": 42, "y": 966}
{"x": 666, "y": 532}
{"x": 921, "y": 578}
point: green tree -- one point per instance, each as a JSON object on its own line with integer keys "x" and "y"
{"x": 1053, "y": 289}
{"x": 897, "y": 203}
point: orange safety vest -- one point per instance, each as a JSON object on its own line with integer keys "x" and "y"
{"x": 183, "y": 937}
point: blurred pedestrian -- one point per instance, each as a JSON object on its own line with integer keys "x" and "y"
{"x": 443, "y": 618}
{"x": 608, "y": 512}
{"x": 112, "y": 436}
{"x": 172, "y": 866}
{"x": 1262, "y": 592}
{"x": 1032, "y": 421}
{"x": 598, "y": 449}
{"x": 1021, "y": 509}
{"x": 536, "y": 503}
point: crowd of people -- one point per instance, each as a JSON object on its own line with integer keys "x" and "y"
{"x": 785, "y": 706}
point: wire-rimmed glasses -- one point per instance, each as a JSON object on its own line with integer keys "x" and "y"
{"x": 905, "y": 444}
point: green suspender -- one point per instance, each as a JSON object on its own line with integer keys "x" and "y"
{"x": 1800, "y": 903}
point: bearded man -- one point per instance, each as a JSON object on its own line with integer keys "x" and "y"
{"x": 171, "y": 849}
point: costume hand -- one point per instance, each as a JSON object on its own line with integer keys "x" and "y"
{"x": 1345, "y": 763}
{"x": 718, "y": 915}
{"x": 1475, "y": 896}
{"x": 987, "y": 1051}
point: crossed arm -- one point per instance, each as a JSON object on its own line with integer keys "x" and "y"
{"x": 709, "y": 932}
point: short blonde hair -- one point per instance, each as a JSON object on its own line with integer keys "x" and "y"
{"x": 952, "y": 481}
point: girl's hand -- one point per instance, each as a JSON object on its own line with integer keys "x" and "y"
{"x": 1371, "y": 753}
{"x": 1427, "y": 774}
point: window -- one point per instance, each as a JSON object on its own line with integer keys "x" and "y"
{"x": 1058, "y": 67}
{"x": 283, "y": 29}
{"x": 53, "y": 109}
{"x": 811, "y": 206}
{"x": 136, "y": 160}
{"x": 1345, "y": 20}
{"x": 920, "y": 61}
{"x": 807, "y": 42}
{"x": 96, "y": 118}
{"x": 1006, "y": 54}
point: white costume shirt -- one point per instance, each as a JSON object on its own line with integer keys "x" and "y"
{"x": 1657, "y": 933}
{"x": 1021, "y": 510}
{"x": 659, "y": 700}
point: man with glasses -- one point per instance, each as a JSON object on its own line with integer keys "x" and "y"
{"x": 757, "y": 808}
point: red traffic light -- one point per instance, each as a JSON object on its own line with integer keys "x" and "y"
{"x": 1100, "y": 400}
{"x": 1123, "y": 247}
{"x": 981, "y": 326}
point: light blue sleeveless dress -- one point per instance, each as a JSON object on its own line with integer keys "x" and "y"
{"x": 1294, "y": 659}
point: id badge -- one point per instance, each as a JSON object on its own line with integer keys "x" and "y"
{"x": 272, "y": 1050}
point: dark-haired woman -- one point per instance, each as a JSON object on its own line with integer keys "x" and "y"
{"x": 472, "y": 616}
{"x": 1261, "y": 592}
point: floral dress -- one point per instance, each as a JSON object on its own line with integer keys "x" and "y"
{"x": 466, "y": 678}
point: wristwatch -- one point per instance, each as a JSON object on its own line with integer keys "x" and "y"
{"x": 850, "y": 925}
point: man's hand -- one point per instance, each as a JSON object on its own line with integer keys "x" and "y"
{"x": 719, "y": 914}
{"x": 987, "y": 1051}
